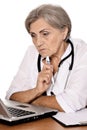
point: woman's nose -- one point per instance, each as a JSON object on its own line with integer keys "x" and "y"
{"x": 39, "y": 41}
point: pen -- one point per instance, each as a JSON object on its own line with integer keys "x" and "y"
{"x": 48, "y": 62}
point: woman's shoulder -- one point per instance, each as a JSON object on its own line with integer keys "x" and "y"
{"x": 79, "y": 45}
{"x": 80, "y": 49}
{"x": 31, "y": 51}
{"x": 79, "y": 42}
{"x": 32, "y": 48}
{"x": 31, "y": 54}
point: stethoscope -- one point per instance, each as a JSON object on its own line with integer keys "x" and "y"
{"x": 70, "y": 67}
{"x": 70, "y": 54}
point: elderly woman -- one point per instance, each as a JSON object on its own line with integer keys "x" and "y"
{"x": 60, "y": 84}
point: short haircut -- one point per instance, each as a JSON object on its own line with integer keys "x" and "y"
{"x": 55, "y": 16}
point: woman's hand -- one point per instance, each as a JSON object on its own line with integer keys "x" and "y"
{"x": 44, "y": 78}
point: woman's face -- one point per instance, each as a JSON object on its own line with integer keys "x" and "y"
{"x": 48, "y": 40}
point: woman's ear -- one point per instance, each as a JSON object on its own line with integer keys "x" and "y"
{"x": 65, "y": 32}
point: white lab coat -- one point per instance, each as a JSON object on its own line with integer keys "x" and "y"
{"x": 70, "y": 88}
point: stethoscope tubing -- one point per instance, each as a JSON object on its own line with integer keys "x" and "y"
{"x": 70, "y": 54}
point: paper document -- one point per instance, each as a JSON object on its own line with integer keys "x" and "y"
{"x": 72, "y": 119}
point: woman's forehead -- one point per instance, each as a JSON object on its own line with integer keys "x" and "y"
{"x": 39, "y": 25}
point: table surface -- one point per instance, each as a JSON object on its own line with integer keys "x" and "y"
{"x": 43, "y": 124}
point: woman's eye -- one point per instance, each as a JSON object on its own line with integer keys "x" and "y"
{"x": 32, "y": 35}
{"x": 46, "y": 33}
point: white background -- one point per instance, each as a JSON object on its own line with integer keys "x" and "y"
{"x": 14, "y": 38}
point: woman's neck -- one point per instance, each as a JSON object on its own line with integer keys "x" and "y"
{"x": 56, "y": 58}
{"x": 61, "y": 50}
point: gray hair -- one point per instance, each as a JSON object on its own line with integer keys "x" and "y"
{"x": 56, "y": 16}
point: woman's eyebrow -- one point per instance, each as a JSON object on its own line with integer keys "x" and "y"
{"x": 43, "y": 30}
{"x": 32, "y": 32}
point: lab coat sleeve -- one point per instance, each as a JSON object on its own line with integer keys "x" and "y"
{"x": 26, "y": 76}
{"x": 74, "y": 96}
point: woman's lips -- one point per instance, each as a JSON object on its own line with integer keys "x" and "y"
{"x": 42, "y": 50}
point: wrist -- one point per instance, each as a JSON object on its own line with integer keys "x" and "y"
{"x": 37, "y": 92}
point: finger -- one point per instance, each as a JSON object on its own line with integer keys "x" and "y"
{"x": 47, "y": 79}
{"x": 48, "y": 67}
